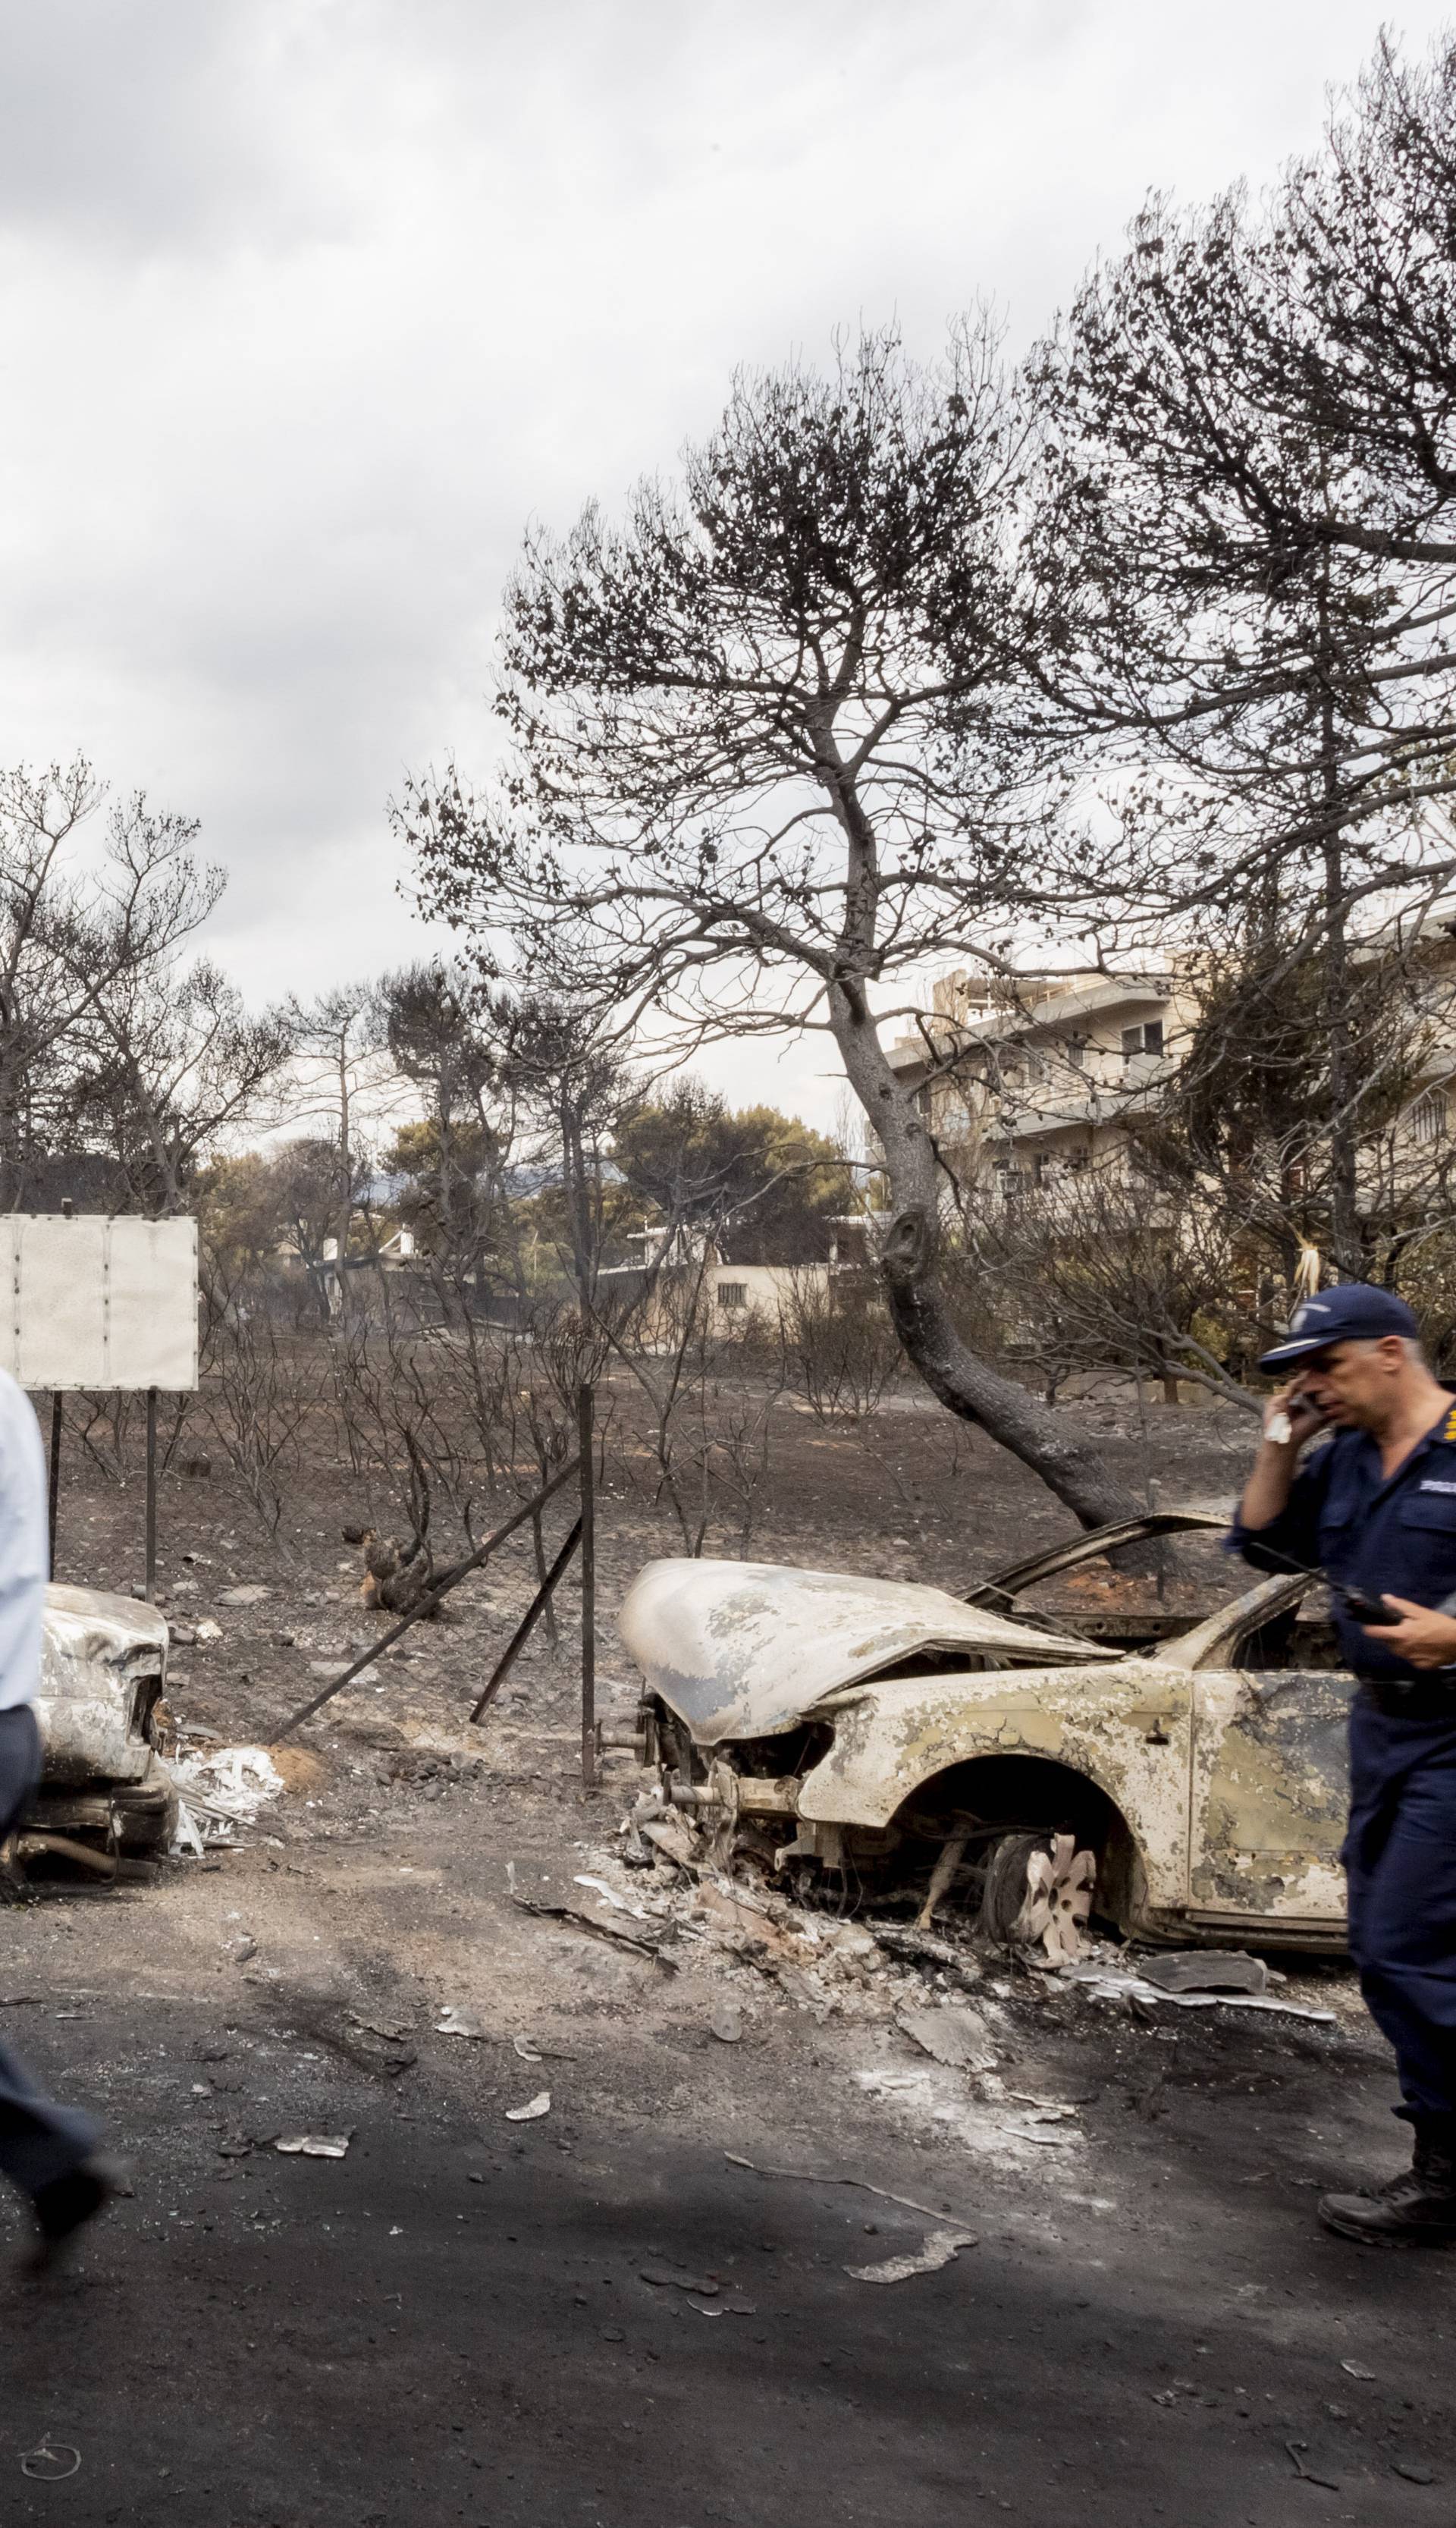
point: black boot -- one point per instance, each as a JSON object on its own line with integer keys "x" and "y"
{"x": 69, "y": 2203}
{"x": 1417, "y": 2209}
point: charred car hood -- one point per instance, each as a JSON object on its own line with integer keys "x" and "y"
{"x": 746, "y": 1650}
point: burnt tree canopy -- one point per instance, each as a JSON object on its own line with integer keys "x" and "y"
{"x": 775, "y": 747}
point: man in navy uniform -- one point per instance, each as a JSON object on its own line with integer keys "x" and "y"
{"x": 1376, "y": 1507}
{"x": 48, "y": 2150}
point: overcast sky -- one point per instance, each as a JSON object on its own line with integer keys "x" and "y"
{"x": 310, "y": 304}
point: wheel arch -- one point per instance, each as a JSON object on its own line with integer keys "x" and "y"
{"x": 1019, "y": 1790}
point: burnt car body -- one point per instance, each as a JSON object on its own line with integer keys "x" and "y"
{"x": 867, "y": 1727}
{"x": 105, "y": 1797}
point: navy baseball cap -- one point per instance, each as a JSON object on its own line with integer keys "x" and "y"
{"x": 1349, "y": 1312}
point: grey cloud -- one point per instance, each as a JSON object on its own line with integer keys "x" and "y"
{"x": 310, "y": 303}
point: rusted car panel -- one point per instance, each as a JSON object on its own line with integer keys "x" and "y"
{"x": 1269, "y": 1791}
{"x": 749, "y": 1650}
{"x": 1221, "y": 1783}
{"x": 1125, "y": 1729}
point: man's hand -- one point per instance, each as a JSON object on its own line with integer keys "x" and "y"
{"x": 1290, "y": 1416}
{"x": 1421, "y": 1636}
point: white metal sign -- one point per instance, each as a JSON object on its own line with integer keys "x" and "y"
{"x": 98, "y": 1303}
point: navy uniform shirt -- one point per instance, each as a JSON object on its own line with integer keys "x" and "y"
{"x": 1391, "y": 1537}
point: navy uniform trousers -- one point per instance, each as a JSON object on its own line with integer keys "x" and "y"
{"x": 38, "y": 2140}
{"x": 1400, "y": 1864}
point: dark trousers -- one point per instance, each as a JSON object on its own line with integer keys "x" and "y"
{"x": 38, "y": 2140}
{"x": 1400, "y": 1863}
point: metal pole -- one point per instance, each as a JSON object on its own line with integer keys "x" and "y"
{"x": 55, "y": 1472}
{"x": 428, "y": 1604}
{"x": 151, "y": 1496}
{"x": 527, "y": 1624}
{"x": 585, "y": 1400}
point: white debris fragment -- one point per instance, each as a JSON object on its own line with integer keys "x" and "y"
{"x": 526, "y": 2050}
{"x": 221, "y": 1787}
{"x": 609, "y": 1896}
{"x": 457, "y": 2023}
{"x": 314, "y": 2146}
{"x": 955, "y": 2035}
{"x": 1108, "y": 1984}
{"x": 939, "y": 2247}
{"x": 540, "y": 2105}
{"x": 207, "y": 1630}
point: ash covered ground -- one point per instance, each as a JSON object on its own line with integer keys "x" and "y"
{"x": 598, "y": 2314}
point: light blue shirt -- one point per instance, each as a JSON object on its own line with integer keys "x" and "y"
{"x": 24, "y": 1546}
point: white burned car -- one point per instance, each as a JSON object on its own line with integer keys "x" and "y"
{"x": 105, "y": 1797}
{"x": 1183, "y": 1778}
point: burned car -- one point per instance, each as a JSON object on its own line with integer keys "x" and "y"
{"x": 1182, "y": 1777}
{"x": 106, "y": 1799}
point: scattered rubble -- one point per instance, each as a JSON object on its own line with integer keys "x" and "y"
{"x": 939, "y": 2247}
{"x": 671, "y": 2278}
{"x": 540, "y": 2105}
{"x": 1111, "y": 1983}
{"x": 1206, "y": 1970}
{"x": 956, "y": 2035}
{"x": 314, "y": 2146}
{"x": 221, "y": 1788}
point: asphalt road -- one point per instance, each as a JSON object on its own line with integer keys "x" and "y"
{"x": 452, "y": 2323}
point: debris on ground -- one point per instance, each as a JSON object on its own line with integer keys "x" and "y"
{"x": 726, "y": 2022}
{"x": 605, "y": 1929}
{"x": 940, "y": 2246}
{"x": 1206, "y": 1970}
{"x": 955, "y": 2035}
{"x": 458, "y": 2023}
{"x": 834, "y": 2176}
{"x": 1111, "y": 1983}
{"x": 925, "y": 1948}
{"x": 1306, "y": 2474}
{"x": 314, "y": 2146}
{"x": 672, "y": 2277}
{"x": 50, "y": 2461}
{"x": 221, "y": 1788}
{"x": 609, "y": 1896}
{"x": 673, "y": 1837}
{"x": 540, "y": 2105}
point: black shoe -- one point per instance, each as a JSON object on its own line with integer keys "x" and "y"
{"x": 69, "y": 2203}
{"x": 1417, "y": 2209}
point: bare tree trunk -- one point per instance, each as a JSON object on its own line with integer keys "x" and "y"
{"x": 1045, "y": 1439}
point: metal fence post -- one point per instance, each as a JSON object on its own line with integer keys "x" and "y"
{"x": 55, "y": 1475}
{"x": 586, "y": 1451}
{"x": 151, "y": 1496}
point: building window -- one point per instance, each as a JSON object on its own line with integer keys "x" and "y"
{"x": 733, "y": 1295}
{"x": 1143, "y": 1040}
{"x": 1076, "y": 1052}
{"x": 1428, "y": 1118}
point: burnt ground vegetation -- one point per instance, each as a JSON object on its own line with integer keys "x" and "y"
{"x": 452, "y": 2321}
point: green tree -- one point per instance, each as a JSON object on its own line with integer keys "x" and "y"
{"x": 764, "y": 1185}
